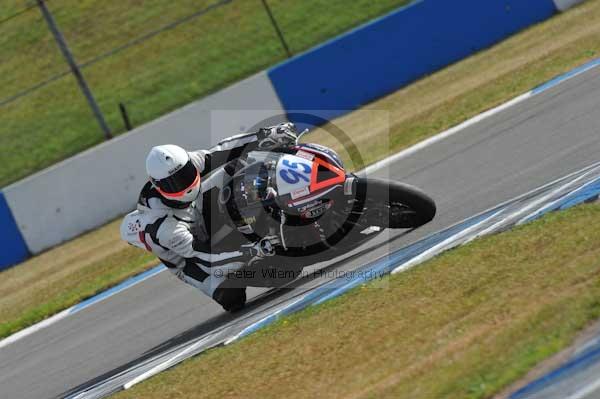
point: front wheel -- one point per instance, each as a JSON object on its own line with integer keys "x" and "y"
{"x": 394, "y": 204}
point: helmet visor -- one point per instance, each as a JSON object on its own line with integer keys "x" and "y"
{"x": 179, "y": 182}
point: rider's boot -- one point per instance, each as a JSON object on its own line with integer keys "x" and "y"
{"x": 232, "y": 299}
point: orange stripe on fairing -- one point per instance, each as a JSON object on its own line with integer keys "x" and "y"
{"x": 182, "y": 192}
{"x": 314, "y": 185}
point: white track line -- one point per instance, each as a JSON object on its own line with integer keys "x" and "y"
{"x": 70, "y": 311}
{"x": 553, "y": 203}
{"x": 443, "y": 135}
{"x": 586, "y": 390}
{"x": 529, "y": 207}
{"x": 34, "y": 328}
{"x": 164, "y": 365}
{"x": 175, "y": 359}
{"x": 478, "y": 118}
{"x": 431, "y": 252}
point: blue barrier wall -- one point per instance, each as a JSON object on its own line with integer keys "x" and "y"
{"x": 392, "y": 51}
{"x": 13, "y": 249}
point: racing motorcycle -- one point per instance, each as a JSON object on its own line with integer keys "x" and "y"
{"x": 303, "y": 207}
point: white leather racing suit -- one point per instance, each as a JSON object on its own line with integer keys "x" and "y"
{"x": 168, "y": 230}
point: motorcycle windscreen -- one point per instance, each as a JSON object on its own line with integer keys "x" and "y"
{"x": 251, "y": 186}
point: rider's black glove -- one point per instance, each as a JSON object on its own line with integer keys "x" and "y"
{"x": 263, "y": 248}
{"x": 282, "y": 135}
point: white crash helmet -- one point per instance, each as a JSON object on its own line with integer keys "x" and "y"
{"x": 172, "y": 173}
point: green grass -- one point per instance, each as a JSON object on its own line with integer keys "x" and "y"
{"x": 50, "y": 282}
{"x": 463, "y": 325}
{"x": 53, "y": 295}
{"x": 201, "y": 56}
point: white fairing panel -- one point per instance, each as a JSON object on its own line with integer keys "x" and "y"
{"x": 293, "y": 175}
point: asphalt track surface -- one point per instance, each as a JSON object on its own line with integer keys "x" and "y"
{"x": 512, "y": 152}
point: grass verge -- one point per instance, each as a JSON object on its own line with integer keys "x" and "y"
{"x": 471, "y": 86}
{"x": 462, "y": 325}
{"x": 64, "y": 276}
{"x": 180, "y": 65}
{"x": 415, "y": 112}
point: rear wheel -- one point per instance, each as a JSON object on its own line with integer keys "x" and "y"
{"x": 394, "y": 204}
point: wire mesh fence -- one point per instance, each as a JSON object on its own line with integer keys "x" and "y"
{"x": 147, "y": 56}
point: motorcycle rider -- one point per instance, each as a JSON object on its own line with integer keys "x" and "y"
{"x": 169, "y": 207}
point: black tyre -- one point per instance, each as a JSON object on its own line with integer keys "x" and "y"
{"x": 396, "y": 205}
